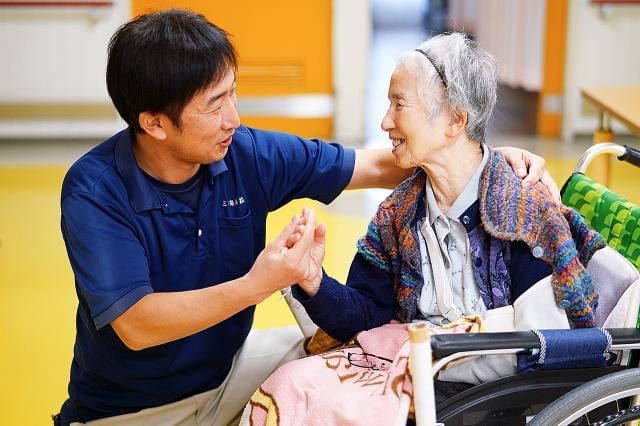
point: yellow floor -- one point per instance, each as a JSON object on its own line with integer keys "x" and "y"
{"x": 37, "y": 306}
{"x": 38, "y": 302}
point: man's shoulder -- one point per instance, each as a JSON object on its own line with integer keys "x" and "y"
{"x": 267, "y": 145}
{"x": 260, "y": 147}
{"x": 252, "y": 135}
{"x": 94, "y": 167}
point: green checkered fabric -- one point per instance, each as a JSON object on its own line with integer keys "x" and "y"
{"x": 616, "y": 219}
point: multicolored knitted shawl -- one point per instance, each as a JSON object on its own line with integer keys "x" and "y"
{"x": 508, "y": 211}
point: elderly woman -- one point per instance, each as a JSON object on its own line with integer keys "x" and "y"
{"x": 463, "y": 200}
{"x": 462, "y": 235}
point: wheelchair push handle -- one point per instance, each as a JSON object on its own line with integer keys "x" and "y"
{"x": 631, "y": 156}
{"x": 623, "y": 153}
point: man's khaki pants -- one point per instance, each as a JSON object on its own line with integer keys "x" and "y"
{"x": 262, "y": 353}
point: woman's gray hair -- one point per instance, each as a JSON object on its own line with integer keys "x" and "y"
{"x": 469, "y": 74}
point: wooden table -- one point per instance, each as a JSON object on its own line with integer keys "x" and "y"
{"x": 621, "y": 103}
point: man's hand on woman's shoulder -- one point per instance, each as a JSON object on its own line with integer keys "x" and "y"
{"x": 530, "y": 167}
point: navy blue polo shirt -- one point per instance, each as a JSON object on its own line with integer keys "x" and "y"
{"x": 126, "y": 238}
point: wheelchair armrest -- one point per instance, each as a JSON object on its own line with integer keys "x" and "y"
{"x": 443, "y": 345}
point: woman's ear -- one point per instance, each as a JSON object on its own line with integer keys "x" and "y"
{"x": 456, "y": 124}
{"x": 153, "y": 125}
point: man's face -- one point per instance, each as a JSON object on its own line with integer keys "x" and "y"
{"x": 207, "y": 124}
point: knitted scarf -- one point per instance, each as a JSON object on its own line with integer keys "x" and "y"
{"x": 508, "y": 211}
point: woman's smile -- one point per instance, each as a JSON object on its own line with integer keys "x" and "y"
{"x": 396, "y": 143}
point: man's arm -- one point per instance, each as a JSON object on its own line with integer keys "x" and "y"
{"x": 376, "y": 168}
{"x": 112, "y": 276}
{"x": 159, "y": 318}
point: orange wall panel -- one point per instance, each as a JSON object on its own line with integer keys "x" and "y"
{"x": 550, "y": 120}
{"x": 284, "y": 46}
{"x": 320, "y": 128}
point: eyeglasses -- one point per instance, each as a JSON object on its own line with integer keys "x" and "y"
{"x": 370, "y": 361}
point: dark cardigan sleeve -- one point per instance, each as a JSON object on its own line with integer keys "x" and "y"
{"x": 365, "y": 302}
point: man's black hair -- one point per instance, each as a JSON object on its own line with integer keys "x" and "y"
{"x": 158, "y": 61}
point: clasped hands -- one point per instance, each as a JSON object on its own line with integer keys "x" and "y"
{"x": 294, "y": 256}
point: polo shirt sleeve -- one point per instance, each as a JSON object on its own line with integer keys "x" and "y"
{"x": 291, "y": 167}
{"x": 106, "y": 256}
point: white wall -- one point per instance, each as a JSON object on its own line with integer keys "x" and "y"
{"x": 602, "y": 49}
{"x": 511, "y": 30}
{"x": 56, "y": 56}
{"x": 351, "y": 41}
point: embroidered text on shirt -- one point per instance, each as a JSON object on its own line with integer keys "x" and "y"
{"x": 234, "y": 202}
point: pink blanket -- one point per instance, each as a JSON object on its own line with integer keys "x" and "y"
{"x": 353, "y": 385}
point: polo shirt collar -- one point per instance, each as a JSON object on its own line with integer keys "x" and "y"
{"x": 216, "y": 168}
{"x": 142, "y": 194}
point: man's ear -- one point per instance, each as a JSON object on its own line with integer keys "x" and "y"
{"x": 457, "y": 124}
{"x": 153, "y": 125}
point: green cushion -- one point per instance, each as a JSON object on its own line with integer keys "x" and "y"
{"x": 615, "y": 218}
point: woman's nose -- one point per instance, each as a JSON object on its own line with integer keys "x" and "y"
{"x": 387, "y": 122}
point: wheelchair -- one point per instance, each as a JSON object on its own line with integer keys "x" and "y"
{"x": 587, "y": 396}
{"x": 576, "y": 396}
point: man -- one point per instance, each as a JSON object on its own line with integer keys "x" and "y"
{"x": 164, "y": 225}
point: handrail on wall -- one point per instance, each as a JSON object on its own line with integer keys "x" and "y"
{"x": 603, "y": 2}
{"x": 30, "y": 4}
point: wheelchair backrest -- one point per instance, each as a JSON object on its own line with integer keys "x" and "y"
{"x": 615, "y": 218}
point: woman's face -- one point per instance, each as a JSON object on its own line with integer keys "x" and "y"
{"x": 415, "y": 139}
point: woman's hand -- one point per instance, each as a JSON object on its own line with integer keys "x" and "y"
{"x": 530, "y": 167}
{"x": 315, "y": 253}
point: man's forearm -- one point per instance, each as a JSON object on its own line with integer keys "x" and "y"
{"x": 376, "y": 168}
{"x": 164, "y": 317}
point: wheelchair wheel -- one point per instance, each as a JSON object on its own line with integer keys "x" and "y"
{"x": 603, "y": 401}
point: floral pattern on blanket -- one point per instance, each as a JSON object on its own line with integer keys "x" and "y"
{"x": 352, "y": 385}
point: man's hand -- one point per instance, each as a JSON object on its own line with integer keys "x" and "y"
{"x": 530, "y": 167}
